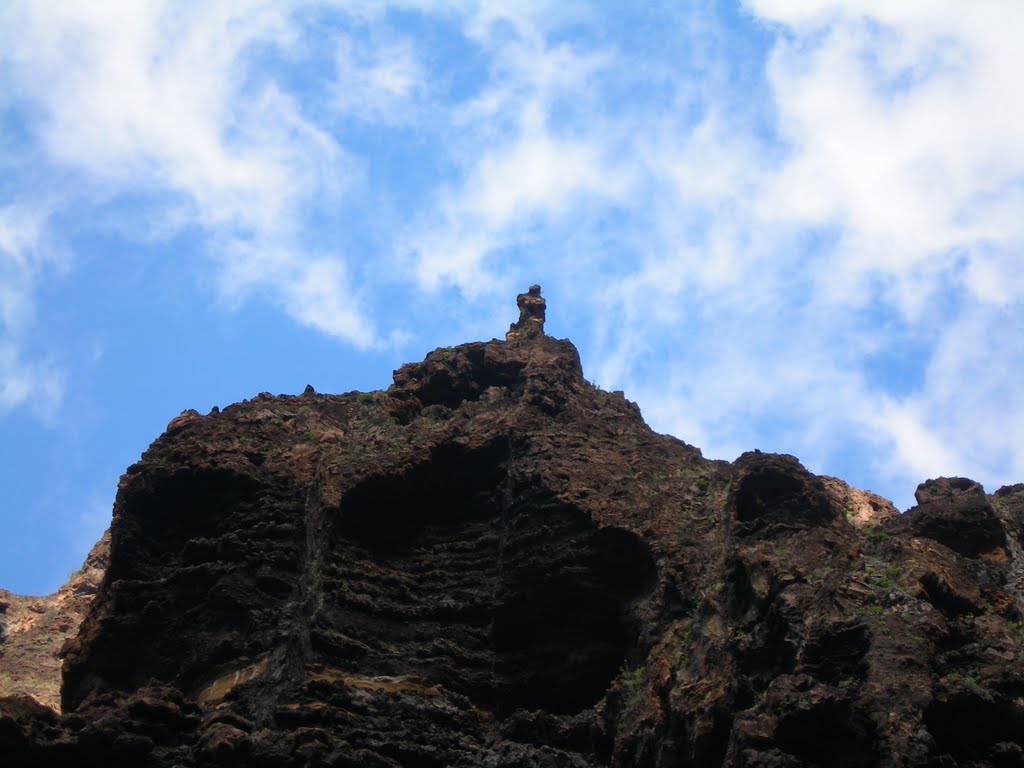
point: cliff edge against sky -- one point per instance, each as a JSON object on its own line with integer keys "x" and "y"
{"x": 495, "y": 563}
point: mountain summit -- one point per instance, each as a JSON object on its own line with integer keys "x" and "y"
{"x": 496, "y": 563}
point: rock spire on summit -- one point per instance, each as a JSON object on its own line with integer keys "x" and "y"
{"x": 531, "y": 315}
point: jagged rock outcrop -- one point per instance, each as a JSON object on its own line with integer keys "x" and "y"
{"x": 495, "y": 563}
{"x": 532, "y": 312}
{"x": 33, "y": 630}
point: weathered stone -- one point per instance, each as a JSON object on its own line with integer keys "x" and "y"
{"x": 495, "y": 563}
{"x": 532, "y": 309}
{"x": 37, "y": 629}
{"x": 956, "y": 512}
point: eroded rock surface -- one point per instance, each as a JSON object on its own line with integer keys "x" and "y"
{"x": 33, "y": 630}
{"x": 532, "y": 312}
{"x": 495, "y": 563}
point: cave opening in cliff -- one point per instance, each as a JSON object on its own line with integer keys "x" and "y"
{"x": 561, "y": 626}
{"x": 967, "y": 725}
{"x": 391, "y": 513}
{"x": 829, "y": 734}
{"x": 493, "y": 587}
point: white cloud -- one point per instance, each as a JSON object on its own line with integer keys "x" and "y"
{"x": 38, "y": 385}
{"x": 972, "y": 396}
{"x": 744, "y": 248}
{"x": 904, "y": 129}
{"x": 537, "y": 173}
{"x": 904, "y": 124}
{"x": 145, "y": 97}
{"x": 315, "y": 291}
{"x": 912, "y": 440}
{"x": 522, "y": 168}
{"x": 26, "y": 379}
{"x": 22, "y": 230}
{"x": 379, "y": 83}
{"x": 756, "y": 280}
{"x": 770, "y": 279}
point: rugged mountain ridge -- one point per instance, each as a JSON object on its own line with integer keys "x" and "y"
{"x": 495, "y": 563}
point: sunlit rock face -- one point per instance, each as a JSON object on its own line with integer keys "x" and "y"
{"x": 34, "y": 629}
{"x": 495, "y": 563}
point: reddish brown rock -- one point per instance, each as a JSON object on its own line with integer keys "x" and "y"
{"x": 495, "y": 563}
{"x": 532, "y": 310}
{"x": 863, "y": 509}
{"x": 37, "y": 627}
{"x": 956, "y": 512}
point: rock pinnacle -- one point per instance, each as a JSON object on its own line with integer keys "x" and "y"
{"x": 531, "y": 315}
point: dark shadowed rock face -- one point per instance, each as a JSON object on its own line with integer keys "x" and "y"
{"x": 495, "y": 563}
{"x": 956, "y": 512}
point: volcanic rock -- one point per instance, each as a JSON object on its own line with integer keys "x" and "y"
{"x": 956, "y": 512}
{"x": 495, "y": 563}
{"x": 33, "y": 630}
{"x": 532, "y": 310}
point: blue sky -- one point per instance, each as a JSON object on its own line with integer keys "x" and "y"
{"x": 790, "y": 226}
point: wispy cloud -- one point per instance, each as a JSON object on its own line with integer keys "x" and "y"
{"x": 27, "y": 377}
{"x": 37, "y": 384}
{"x": 379, "y": 83}
{"x": 903, "y": 125}
{"x": 22, "y": 256}
{"x": 523, "y": 166}
{"x": 869, "y": 206}
{"x": 147, "y": 98}
{"x": 750, "y": 220}
{"x": 315, "y": 290}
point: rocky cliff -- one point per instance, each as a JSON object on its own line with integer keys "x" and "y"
{"x": 33, "y": 630}
{"x": 495, "y": 563}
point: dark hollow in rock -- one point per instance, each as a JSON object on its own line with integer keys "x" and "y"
{"x": 967, "y": 725}
{"x": 560, "y": 627}
{"x": 181, "y": 577}
{"x": 772, "y": 652}
{"x": 828, "y": 734}
{"x": 773, "y": 493}
{"x": 512, "y": 600}
{"x": 955, "y": 511}
{"x": 944, "y": 595}
{"x": 389, "y": 513}
{"x": 186, "y": 506}
{"x": 837, "y": 654}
